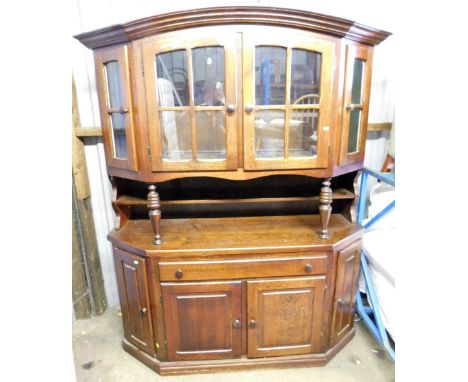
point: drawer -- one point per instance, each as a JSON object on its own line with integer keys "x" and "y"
{"x": 297, "y": 265}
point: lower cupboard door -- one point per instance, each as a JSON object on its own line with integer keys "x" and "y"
{"x": 285, "y": 316}
{"x": 203, "y": 320}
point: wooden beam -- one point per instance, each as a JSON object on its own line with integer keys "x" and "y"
{"x": 379, "y": 126}
{"x": 88, "y": 132}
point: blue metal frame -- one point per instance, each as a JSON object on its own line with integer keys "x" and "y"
{"x": 375, "y": 324}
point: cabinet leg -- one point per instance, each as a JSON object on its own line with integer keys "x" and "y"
{"x": 325, "y": 208}
{"x": 154, "y": 212}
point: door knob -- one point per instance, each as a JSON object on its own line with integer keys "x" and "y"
{"x": 143, "y": 311}
{"x": 236, "y": 324}
{"x": 248, "y": 108}
{"x": 308, "y": 268}
{"x": 231, "y": 108}
{"x": 252, "y": 324}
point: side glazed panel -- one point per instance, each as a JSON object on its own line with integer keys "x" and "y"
{"x": 285, "y": 316}
{"x": 355, "y": 103}
{"x": 114, "y": 89}
{"x": 345, "y": 292}
{"x": 203, "y": 320}
{"x": 134, "y": 302}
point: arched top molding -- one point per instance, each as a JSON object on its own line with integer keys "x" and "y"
{"x": 292, "y": 18}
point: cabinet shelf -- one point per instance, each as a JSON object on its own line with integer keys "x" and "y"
{"x": 128, "y": 200}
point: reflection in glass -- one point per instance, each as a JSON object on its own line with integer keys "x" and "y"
{"x": 303, "y": 133}
{"x": 269, "y": 134}
{"x": 353, "y": 137}
{"x": 356, "y": 90}
{"x": 270, "y": 75}
{"x": 210, "y": 134}
{"x": 208, "y": 76}
{"x": 113, "y": 84}
{"x": 119, "y": 138}
{"x": 305, "y": 76}
{"x": 176, "y": 135}
{"x": 172, "y": 66}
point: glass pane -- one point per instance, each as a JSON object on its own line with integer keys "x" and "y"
{"x": 269, "y": 134}
{"x": 176, "y": 135}
{"x": 208, "y": 76}
{"x": 356, "y": 90}
{"x": 270, "y": 75}
{"x": 303, "y": 133}
{"x": 113, "y": 85}
{"x": 118, "y": 135}
{"x": 305, "y": 77}
{"x": 353, "y": 137}
{"x": 171, "y": 70}
{"x": 210, "y": 134}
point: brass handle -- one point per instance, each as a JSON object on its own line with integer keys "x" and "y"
{"x": 179, "y": 273}
{"x": 143, "y": 311}
{"x": 231, "y": 108}
{"x": 252, "y": 324}
{"x": 248, "y": 108}
{"x": 236, "y": 324}
{"x": 121, "y": 110}
{"x": 308, "y": 268}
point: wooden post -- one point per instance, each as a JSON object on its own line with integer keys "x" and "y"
{"x": 325, "y": 208}
{"x": 154, "y": 212}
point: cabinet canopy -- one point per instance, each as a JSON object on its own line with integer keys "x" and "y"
{"x": 310, "y": 21}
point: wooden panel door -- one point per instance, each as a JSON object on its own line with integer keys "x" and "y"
{"x": 134, "y": 302}
{"x": 203, "y": 320}
{"x": 284, "y": 316}
{"x": 287, "y": 95}
{"x": 190, "y": 85}
{"x": 115, "y": 105}
{"x": 345, "y": 292}
{"x": 355, "y": 102}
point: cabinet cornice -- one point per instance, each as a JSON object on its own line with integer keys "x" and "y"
{"x": 339, "y": 27}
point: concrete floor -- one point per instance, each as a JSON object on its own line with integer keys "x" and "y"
{"x": 99, "y": 357}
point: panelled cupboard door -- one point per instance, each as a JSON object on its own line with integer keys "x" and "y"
{"x": 287, "y": 95}
{"x": 190, "y": 85}
{"x": 134, "y": 302}
{"x": 284, "y": 316}
{"x": 345, "y": 292}
{"x": 115, "y": 104}
{"x": 203, "y": 320}
{"x": 355, "y": 103}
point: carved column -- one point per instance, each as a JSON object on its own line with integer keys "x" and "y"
{"x": 154, "y": 211}
{"x": 325, "y": 208}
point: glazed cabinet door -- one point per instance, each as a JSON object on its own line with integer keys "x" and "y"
{"x": 345, "y": 292}
{"x": 288, "y": 77}
{"x": 134, "y": 302}
{"x": 203, "y": 320}
{"x": 191, "y": 100}
{"x": 284, "y": 316}
{"x": 355, "y": 103}
{"x": 115, "y": 104}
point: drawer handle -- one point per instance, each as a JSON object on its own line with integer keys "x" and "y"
{"x": 308, "y": 268}
{"x": 179, "y": 273}
{"x": 236, "y": 324}
{"x": 143, "y": 311}
{"x": 252, "y": 324}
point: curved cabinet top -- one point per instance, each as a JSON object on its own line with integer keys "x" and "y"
{"x": 335, "y": 26}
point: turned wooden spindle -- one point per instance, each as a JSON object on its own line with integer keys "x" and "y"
{"x": 325, "y": 208}
{"x": 154, "y": 212}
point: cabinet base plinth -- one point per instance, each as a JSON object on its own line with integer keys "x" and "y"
{"x": 235, "y": 364}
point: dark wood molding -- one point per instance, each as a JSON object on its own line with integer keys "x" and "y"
{"x": 292, "y": 18}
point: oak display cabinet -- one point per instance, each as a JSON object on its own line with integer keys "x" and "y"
{"x": 251, "y": 123}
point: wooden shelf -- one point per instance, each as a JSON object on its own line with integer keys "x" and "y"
{"x": 127, "y": 200}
